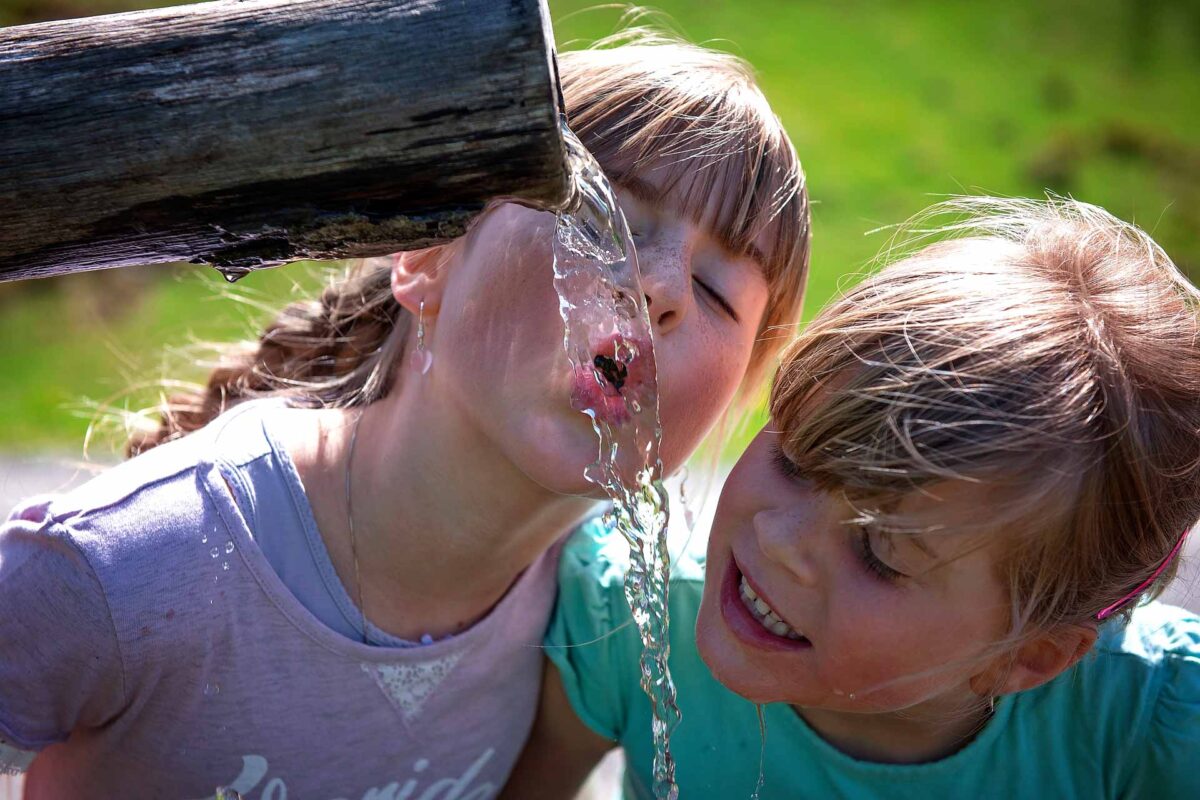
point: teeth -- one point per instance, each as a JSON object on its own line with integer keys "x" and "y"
{"x": 765, "y": 614}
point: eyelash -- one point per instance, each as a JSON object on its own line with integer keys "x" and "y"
{"x": 865, "y": 554}
{"x": 784, "y": 464}
{"x": 718, "y": 299}
{"x": 871, "y": 561}
{"x": 712, "y": 293}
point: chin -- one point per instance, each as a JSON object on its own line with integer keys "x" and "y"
{"x": 565, "y": 479}
{"x": 729, "y": 665}
{"x": 557, "y": 465}
{"x": 736, "y": 677}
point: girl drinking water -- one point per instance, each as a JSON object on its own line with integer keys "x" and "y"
{"x": 978, "y": 463}
{"x": 329, "y": 575}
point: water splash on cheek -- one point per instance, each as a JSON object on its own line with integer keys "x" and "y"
{"x": 608, "y": 339}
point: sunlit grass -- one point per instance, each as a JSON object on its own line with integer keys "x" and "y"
{"x": 891, "y": 106}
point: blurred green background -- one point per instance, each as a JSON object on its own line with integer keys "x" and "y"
{"x": 892, "y": 105}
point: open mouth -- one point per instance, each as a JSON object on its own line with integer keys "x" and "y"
{"x": 613, "y": 371}
{"x": 612, "y": 386}
{"x": 765, "y": 615}
{"x": 751, "y": 618}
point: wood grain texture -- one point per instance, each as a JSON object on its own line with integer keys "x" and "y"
{"x": 247, "y": 134}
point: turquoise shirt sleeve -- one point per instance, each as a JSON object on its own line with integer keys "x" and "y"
{"x": 1170, "y": 745}
{"x": 592, "y": 639}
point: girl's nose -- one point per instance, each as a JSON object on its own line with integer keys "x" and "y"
{"x": 666, "y": 262}
{"x": 783, "y": 540}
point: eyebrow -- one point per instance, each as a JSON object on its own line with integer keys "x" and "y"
{"x": 923, "y": 546}
{"x": 650, "y": 194}
{"x": 917, "y": 541}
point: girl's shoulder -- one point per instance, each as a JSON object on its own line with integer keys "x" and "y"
{"x": 597, "y": 555}
{"x": 591, "y": 638}
{"x": 1142, "y": 670}
{"x": 139, "y": 529}
{"x": 159, "y": 492}
{"x": 1155, "y": 632}
{"x": 1140, "y": 692}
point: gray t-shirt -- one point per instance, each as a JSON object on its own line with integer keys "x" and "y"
{"x": 266, "y": 486}
{"x": 149, "y": 649}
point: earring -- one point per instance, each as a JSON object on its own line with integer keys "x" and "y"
{"x": 422, "y": 358}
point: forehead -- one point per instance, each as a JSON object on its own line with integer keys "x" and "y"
{"x": 957, "y": 505}
{"x": 694, "y": 197}
{"x": 948, "y": 521}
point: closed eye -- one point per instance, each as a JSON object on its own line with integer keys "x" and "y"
{"x": 872, "y": 562}
{"x": 784, "y": 464}
{"x": 716, "y": 297}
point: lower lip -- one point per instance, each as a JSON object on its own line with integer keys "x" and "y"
{"x": 588, "y": 395}
{"x": 745, "y": 627}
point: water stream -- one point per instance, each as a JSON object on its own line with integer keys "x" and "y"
{"x": 608, "y": 341}
{"x": 762, "y": 750}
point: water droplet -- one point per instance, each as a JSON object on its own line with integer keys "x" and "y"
{"x": 204, "y": 539}
{"x": 214, "y": 552}
{"x": 225, "y": 566}
{"x": 212, "y": 689}
{"x": 233, "y": 274}
{"x": 229, "y": 546}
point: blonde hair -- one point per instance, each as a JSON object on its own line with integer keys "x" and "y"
{"x": 1046, "y": 349}
{"x": 639, "y": 100}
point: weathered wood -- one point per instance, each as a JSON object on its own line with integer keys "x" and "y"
{"x": 248, "y": 134}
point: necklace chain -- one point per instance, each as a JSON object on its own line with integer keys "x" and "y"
{"x": 362, "y": 608}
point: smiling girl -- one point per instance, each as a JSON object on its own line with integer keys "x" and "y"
{"x": 927, "y": 564}
{"x": 335, "y": 588}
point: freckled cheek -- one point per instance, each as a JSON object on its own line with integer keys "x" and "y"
{"x": 689, "y": 405}
{"x": 864, "y": 633}
{"x": 866, "y": 663}
{"x": 895, "y": 653}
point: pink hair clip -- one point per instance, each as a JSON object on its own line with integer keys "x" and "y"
{"x": 1142, "y": 587}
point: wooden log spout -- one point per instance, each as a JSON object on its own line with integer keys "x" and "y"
{"x": 250, "y": 133}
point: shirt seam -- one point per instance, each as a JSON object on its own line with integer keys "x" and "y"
{"x": 21, "y": 743}
{"x": 1130, "y": 766}
{"x": 108, "y": 612}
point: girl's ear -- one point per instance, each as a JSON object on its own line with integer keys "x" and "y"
{"x": 420, "y": 275}
{"x": 1037, "y": 661}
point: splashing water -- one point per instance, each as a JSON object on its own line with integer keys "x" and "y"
{"x": 608, "y": 341}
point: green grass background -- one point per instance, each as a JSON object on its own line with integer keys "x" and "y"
{"x": 891, "y": 105}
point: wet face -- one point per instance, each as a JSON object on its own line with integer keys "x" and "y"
{"x": 846, "y": 618}
{"x": 498, "y": 338}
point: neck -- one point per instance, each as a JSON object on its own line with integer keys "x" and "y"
{"x": 929, "y": 732}
{"x": 443, "y": 524}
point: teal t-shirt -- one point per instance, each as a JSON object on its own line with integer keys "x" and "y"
{"x": 1123, "y": 723}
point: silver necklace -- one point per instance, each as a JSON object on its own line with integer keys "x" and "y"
{"x": 358, "y": 585}
{"x": 362, "y": 608}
